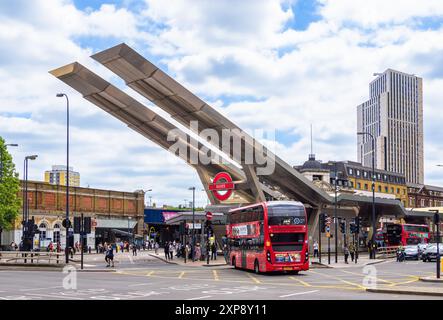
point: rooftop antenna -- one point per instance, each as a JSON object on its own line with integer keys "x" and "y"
{"x": 311, "y": 155}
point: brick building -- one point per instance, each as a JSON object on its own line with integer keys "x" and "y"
{"x": 115, "y": 214}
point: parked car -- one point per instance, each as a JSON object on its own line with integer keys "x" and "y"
{"x": 431, "y": 252}
{"x": 411, "y": 252}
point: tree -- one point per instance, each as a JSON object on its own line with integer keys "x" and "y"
{"x": 10, "y": 202}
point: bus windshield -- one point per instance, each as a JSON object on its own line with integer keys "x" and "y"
{"x": 287, "y": 241}
{"x": 286, "y": 215}
{"x": 416, "y": 228}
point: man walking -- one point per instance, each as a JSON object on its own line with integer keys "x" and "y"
{"x": 315, "y": 246}
{"x": 352, "y": 251}
{"x": 167, "y": 250}
{"x": 213, "y": 251}
{"x": 346, "y": 252}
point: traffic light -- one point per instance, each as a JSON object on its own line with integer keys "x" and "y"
{"x": 77, "y": 224}
{"x": 323, "y": 222}
{"x": 66, "y": 223}
{"x": 357, "y": 224}
{"x": 343, "y": 226}
{"x": 34, "y": 230}
{"x": 436, "y": 218}
{"x": 353, "y": 227}
{"x": 87, "y": 225}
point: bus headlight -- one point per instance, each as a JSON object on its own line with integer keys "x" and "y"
{"x": 268, "y": 256}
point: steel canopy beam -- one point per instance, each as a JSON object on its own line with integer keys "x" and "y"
{"x": 137, "y": 116}
{"x": 154, "y": 84}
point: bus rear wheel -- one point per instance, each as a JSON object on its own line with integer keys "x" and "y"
{"x": 256, "y": 267}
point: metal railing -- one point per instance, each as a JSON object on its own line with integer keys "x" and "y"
{"x": 31, "y": 257}
{"x": 387, "y": 252}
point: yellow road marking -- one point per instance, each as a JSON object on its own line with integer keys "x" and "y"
{"x": 244, "y": 281}
{"x": 377, "y": 278}
{"x": 253, "y": 278}
{"x": 150, "y": 273}
{"x": 339, "y": 279}
{"x": 181, "y": 275}
{"x": 300, "y": 281}
{"x": 406, "y": 282}
{"x": 214, "y": 272}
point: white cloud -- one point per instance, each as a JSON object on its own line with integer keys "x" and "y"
{"x": 234, "y": 49}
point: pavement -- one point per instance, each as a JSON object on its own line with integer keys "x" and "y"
{"x": 148, "y": 277}
{"x": 363, "y": 260}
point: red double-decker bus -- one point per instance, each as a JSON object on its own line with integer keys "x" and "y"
{"x": 407, "y": 234}
{"x": 269, "y": 236}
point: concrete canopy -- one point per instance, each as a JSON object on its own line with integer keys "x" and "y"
{"x": 154, "y": 84}
{"x": 147, "y": 79}
{"x": 137, "y": 116}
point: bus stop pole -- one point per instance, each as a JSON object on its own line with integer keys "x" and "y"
{"x": 82, "y": 229}
{"x": 319, "y": 240}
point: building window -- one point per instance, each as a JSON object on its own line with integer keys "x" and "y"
{"x": 385, "y": 177}
{"x": 351, "y": 184}
{"x": 422, "y": 202}
{"x": 56, "y": 234}
{"x": 398, "y": 190}
{"x": 365, "y": 174}
{"x": 392, "y": 190}
{"x": 358, "y": 185}
{"x": 366, "y": 186}
{"x": 42, "y": 230}
{"x": 358, "y": 173}
{"x": 378, "y": 176}
{"x": 379, "y": 188}
{"x": 350, "y": 171}
{"x": 386, "y": 189}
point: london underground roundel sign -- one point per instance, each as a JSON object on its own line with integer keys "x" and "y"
{"x": 222, "y": 186}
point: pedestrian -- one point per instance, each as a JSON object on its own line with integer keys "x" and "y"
{"x": 225, "y": 252}
{"x": 167, "y": 250}
{"x": 187, "y": 249}
{"x": 134, "y": 250}
{"x": 315, "y": 246}
{"x": 156, "y": 247}
{"x": 171, "y": 250}
{"x": 198, "y": 251}
{"x": 214, "y": 251}
{"x": 346, "y": 252}
{"x": 110, "y": 256}
{"x": 352, "y": 251}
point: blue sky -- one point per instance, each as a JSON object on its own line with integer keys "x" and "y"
{"x": 278, "y": 65}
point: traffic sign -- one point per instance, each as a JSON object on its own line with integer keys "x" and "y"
{"x": 222, "y": 182}
{"x": 208, "y": 215}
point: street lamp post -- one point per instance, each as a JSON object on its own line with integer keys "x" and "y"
{"x": 25, "y": 231}
{"x": 145, "y": 191}
{"x": 193, "y": 222}
{"x": 373, "y": 193}
{"x": 1, "y": 159}
{"x": 335, "y": 213}
{"x": 437, "y": 226}
{"x": 59, "y": 95}
{"x": 129, "y": 233}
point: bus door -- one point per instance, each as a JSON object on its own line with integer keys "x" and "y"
{"x": 244, "y": 252}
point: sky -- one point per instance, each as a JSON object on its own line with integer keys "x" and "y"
{"x": 280, "y": 65}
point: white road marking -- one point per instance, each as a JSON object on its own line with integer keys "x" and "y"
{"x": 298, "y": 293}
{"x": 36, "y": 289}
{"x": 197, "y": 298}
{"x": 54, "y": 296}
{"x": 139, "y": 284}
